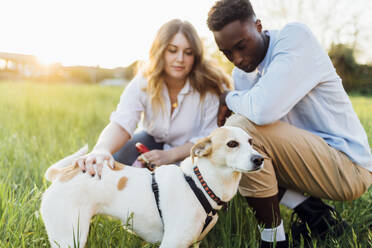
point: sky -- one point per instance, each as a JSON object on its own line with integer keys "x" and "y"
{"x": 111, "y": 33}
{"x": 108, "y": 33}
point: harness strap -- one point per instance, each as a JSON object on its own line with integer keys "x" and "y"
{"x": 155, "y": 189}
{"x": 207, "y": 189}
{"x": 203, "y": 201}
{"x": 198, "y": 193}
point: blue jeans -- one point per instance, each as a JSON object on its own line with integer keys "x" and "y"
{"x": 128, "y": 153}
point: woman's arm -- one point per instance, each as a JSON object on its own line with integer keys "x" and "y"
{"x": 112, "y": 138}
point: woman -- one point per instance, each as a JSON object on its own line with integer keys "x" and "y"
{"x": 178, "y": 95}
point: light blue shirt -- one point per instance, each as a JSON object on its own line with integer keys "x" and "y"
{"x": 297, "y": 83}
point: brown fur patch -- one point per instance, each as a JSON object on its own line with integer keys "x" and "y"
{"x": 117, "y": 166}
{"x": 219, "y": 136}
{"x": 69, "y": 172}
{"x": 122, "y": 183}
{"x": 52, "y": 174}
{"x": 202, "y": 148}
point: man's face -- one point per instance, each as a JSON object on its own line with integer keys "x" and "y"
{"x": 243, "y": 43}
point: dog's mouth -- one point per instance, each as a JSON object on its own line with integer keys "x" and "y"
{"x": 253, "y": 170}
{"x": 256, "y": 169}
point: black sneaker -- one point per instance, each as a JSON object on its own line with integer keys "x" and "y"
{"x": 315, "y": 219}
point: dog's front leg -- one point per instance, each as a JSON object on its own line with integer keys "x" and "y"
{"x": 171, "y": 242}
{"x": 184, "y": 234}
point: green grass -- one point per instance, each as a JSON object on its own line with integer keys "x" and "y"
{"x": 41, "y": 123}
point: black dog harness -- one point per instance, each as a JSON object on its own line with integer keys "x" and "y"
{"x": 155, "y": 189}
{"x": 198, "y": 193}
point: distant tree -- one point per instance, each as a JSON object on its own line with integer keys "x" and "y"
{"x": 221, "y": 60}
{"x": 343, "y": 59}
{"x": 332, "y": 21}
{"x": 215, "y": 55}
{"x": 355, "y": 77}
{"x": 131, "y": 70}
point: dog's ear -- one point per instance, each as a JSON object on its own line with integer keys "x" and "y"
{"x": 202, "y": 148}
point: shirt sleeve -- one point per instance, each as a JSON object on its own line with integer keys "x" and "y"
{"x": 244, "y": 80}
{"x": 295, "y": 69}
{"x": 131, "y": 105}
{"x": 209, "y": 117}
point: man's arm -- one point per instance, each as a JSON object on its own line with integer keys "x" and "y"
{"x": 298, "y": 64}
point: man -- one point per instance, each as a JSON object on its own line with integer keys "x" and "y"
{"x": 290, "y": 99}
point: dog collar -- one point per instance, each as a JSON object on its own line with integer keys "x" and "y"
{"x": 207, "y": 189}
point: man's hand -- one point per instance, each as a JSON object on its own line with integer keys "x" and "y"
{"x": 223, "y": 110}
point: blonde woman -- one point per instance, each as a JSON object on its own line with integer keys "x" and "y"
{"x": 178, "y": 95}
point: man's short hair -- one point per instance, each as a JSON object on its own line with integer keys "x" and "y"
{"x": 227, "y": 11}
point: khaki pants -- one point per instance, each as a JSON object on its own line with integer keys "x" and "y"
{"x": 299, "y": 160}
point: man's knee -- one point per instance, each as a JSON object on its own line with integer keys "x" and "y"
{"x": 358, "y": 185}
{"x": 356, "y": 191}
{"x": 244, "y": 123}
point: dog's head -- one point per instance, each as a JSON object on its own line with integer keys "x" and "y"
{"x": 231, "y": 147}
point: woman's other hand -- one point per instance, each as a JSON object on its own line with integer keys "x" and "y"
{"x": 159, "y": 157}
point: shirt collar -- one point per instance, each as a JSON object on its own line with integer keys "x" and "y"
{"x": 186, "y": 88}
{"x": 261, "y": 67}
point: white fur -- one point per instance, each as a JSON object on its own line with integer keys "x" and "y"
{"x": 67, "y": 207}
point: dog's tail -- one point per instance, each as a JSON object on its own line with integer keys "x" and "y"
{"x": 54, "y": 170}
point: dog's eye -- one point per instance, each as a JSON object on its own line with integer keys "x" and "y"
{"x": 250, "y": 141}
{"x": 232, "y": 143}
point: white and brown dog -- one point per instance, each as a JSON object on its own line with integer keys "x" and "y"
{"x": 175, "y": 217}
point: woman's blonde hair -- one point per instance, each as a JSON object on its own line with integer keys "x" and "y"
{"x": 204, "y": 77}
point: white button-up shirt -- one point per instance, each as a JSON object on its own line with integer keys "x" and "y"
{"x": 297, "y": 83}
{"x": 190, "y": 120}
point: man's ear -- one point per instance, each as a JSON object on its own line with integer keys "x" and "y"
{"x": 202, "y": 148}
{"x": 259, "y": 25}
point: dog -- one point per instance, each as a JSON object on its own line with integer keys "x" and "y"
{"x": 175, "y": 217}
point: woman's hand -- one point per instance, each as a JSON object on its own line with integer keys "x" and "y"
{"x": 159, "y": 157}
{"x": 111, "y": 139}
{"x": 94, "y": 161}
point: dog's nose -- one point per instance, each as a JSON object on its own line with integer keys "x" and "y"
{"x": 257, "y": 160}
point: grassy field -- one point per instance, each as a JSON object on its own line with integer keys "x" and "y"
{"x": 41, "y": 123}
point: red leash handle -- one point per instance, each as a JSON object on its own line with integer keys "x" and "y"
{"x": 141, "y": 148}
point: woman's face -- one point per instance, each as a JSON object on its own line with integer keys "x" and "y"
{"x": 179, "y": 57}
